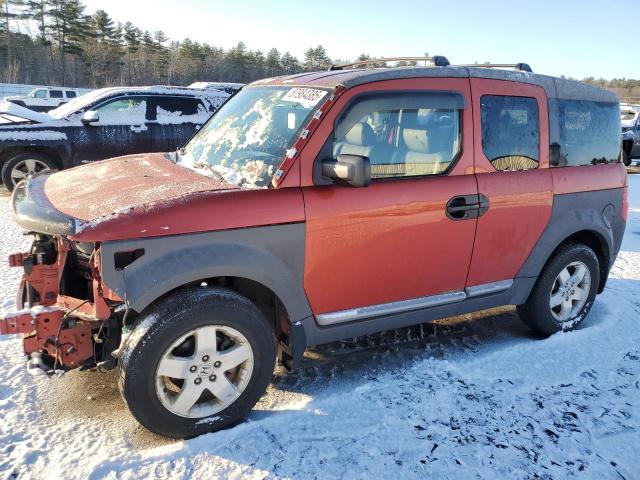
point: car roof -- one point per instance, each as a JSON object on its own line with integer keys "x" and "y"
{"x": 554, "y": 86}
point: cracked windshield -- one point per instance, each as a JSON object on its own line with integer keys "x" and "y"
{"x": 245, "y": 141}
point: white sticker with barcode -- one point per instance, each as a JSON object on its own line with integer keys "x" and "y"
{"x": 307, "y": 97}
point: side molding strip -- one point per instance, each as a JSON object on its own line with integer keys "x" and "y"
{"x": 372, "y": 311}
{"x": 487, "y": 288}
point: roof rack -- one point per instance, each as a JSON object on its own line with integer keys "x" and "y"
{"x": 523, "y": 67}
{"x": 436, "y": 60}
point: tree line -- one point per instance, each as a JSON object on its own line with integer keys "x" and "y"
{"x": 63, "y": 45}
{"x": 55, "y": 42}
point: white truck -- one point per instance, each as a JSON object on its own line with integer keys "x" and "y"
{"x": 43, "y": 99}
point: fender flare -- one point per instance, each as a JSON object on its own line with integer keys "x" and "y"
{"x": 272, "y": 256}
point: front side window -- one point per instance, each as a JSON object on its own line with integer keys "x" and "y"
{"x": 55, "y": 93}
{"x": 246, "y": 139}
{"x": 403, "y": 135}
{"x": 123, "y": 111}
{"x": 510, "y": 132}
{"x": 589, "y": 132}
{"x": 40, "y": 94}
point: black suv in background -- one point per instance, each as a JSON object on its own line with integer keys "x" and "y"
{"x": 104, "y": 123}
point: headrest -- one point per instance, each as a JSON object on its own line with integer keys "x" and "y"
{"x": 416, "y": 140}
{"x": 361, "y": 134}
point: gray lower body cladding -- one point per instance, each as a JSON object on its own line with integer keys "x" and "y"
{"x": 272, "y": 256}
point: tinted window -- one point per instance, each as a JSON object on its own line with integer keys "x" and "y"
{"x": 70, "y": 94}
{"x": 123, "y": 111}
{"x": 178, "y": 110}
{"x": 404, "y": 141}
{"x": 55, "y": 93}
{"x": 510, "y": 131}
{"x": 589, "y": 132}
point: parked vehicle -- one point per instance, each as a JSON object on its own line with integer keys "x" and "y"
{"x": 227, "y": 87}
{"x": 102, "y": 124}
{"x": 630, "y": 117}
{"x": 45, "y": 98}
{"x": 319, "y": 207}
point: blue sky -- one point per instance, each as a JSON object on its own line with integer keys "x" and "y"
{"x": 562, "y": 37}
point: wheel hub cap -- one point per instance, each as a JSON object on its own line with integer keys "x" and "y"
{"x": 204, "y": 371}
{"x": 570, "y": 291}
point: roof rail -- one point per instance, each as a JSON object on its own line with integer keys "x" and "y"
{"x": 436, "y": 60}
{"x": 523, "y": 67}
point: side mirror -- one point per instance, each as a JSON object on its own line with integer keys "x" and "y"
{"x": 89, "y": 117}
{"x": 353, "y": 170}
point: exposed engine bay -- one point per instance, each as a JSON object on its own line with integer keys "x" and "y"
{"x": 67, "y": 318}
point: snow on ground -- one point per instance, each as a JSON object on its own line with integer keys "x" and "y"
{"x": 474, "y": 396}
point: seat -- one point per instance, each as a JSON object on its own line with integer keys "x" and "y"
{"x": 420, "y": 158}
{"x": 359, "y": 140}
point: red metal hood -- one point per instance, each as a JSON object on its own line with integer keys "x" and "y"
{"x": 144, "y": 196}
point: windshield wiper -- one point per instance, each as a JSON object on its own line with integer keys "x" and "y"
{"x": 218, "y": 175}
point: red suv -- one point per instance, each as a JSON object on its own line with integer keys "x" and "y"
{"x": 317, "y": 207}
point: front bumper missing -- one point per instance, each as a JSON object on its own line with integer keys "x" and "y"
{"x": 52, "y": 339}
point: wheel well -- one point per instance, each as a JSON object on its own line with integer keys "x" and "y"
{"x": 263, "y": 297}
{"x": 595, "y": 242}
{"x": 50, "y": 152}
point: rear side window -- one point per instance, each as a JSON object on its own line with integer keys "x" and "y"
{"x": 55, "y": 93}
{"x": 70, "y": 94}
{"x": 403, "y": 135}
{"x": 178, "y": 110}
{"x": 589, "y": 133}
{"x": 510, "y": 132}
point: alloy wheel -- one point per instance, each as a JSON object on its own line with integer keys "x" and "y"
{"x": 204, "y": 371}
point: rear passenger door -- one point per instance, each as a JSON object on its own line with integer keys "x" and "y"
{"x": 173, "y": 120}
{"x": 512, "y": 169}
{"x": 368, "y": 250}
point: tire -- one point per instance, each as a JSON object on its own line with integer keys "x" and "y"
{"x": 27, "y": 163}
{"x": 164, "y": 338}
{"x": 538, "y": 312}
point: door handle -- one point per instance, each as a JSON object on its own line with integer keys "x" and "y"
{"x": 464, "y": 207}
{"x": 138, "y": 128}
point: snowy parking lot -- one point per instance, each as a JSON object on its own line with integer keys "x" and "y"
{"x": 476, "y": 396}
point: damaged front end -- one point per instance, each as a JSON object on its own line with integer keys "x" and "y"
{"x": 67, "y": 318}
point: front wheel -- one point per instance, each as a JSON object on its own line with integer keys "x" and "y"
{"x": 197, "y": 362}
{"x": 564, "y": 292}
{"x": 24, "y": 164}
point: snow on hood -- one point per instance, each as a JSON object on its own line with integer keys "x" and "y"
{"x": 19, "y": 111}
{"x": 100, "y": 190}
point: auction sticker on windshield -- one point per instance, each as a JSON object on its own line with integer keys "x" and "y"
{"x": 307, "y": 97}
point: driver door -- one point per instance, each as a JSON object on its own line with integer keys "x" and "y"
{"x": 368, "y": 250}
{"x": 121, "y": 130}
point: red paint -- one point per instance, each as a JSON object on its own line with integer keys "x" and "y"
{"x": 520, "y": 202}
{"x": 391, "y": 240}
{"x": 201, "y": 212}
{"x": 587, "y": 178}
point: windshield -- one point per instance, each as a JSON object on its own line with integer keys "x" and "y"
{"x": 245, "y": 141}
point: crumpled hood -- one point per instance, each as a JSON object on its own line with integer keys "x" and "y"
{"x": 67, "y": 202}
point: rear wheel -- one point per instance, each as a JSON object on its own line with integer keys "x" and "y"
{"x": 24, "y": 164}
{"x": 564, "y": 292}
{"x": 197, "y": 362}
